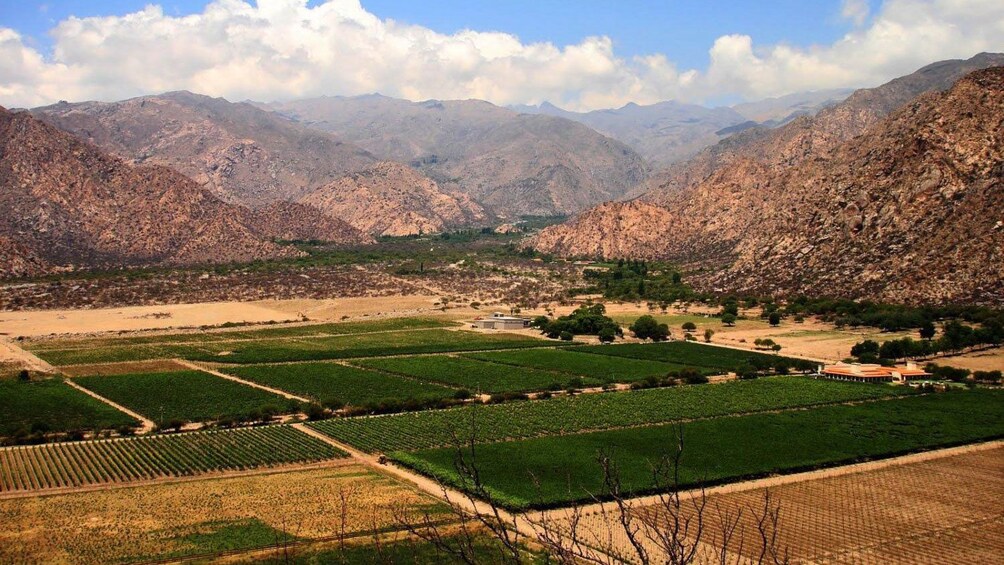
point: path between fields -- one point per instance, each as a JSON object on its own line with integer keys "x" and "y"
{"x": 222, "y": 375}
{"x": 10, "y": 351}
{"x": 147, "y": 424}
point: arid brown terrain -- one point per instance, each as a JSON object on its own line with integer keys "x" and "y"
{"x": 845, "y": 203}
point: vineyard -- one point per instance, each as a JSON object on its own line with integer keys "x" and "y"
{"x": 190, "y": 396}
{"x": 471, "y": 374}
{"x": 331, "y": 382}
{"x": 602, "y": 368}
{"x": 557, "y": 470}
{"x": 569, "y": 415}
{"x": 53, "y": 406}
{"x": 60, "y": 465}
{"x": 281, "y": 349}
{"x": 697, "y": 355}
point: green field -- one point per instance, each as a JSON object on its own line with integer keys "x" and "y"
{"x": 602, "y": 368}
{"x": 82, "y": 463}
{"x": 274, "y": 350}
{"x": 567, "y": 415}
{"x": 326, "y": 382}
{"x": 53, "y": 406}
{"x": 475, "y": 376}
{"x": 684, "y": 353}
{"x": 191, "y": 396}
{"x": 724, "y": 449}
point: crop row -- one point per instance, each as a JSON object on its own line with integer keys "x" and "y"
{"x": 600, "y": 367}
{"x": 308, "y": 331}
{"x": 59, "y": 465}
{"x": 567, "y": 415}
{"x": 53, "y": 406}
{"x": 297, "y": 349}
{"x": 687, "y": 353}
{"x": 556, "y": 470}
{"x": 471, "y": 374}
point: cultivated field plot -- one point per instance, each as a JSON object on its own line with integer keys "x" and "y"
{"x": 329, "y": 382}
{"x": 717, "y": 359}
{"x": 603, "y": 368}
{"x": 53, "y": 406}
{"x": 58, "y": 465}
{"x": 890, "y": 515}
{"x": 471, "y": 374}
{"x": 564, "y": 468}
{"x": 300, "y": 348}
{"x": 569, "y": 415}
{"x": 211, "y": 515}
{"x": 190, "y": 396}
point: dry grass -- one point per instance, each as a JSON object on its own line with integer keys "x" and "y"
{"x": 113, "y": 525}
{"x": 129, "y": 367}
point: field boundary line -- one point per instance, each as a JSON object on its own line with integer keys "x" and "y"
{"x": 148, "y": 424}
{"x": 210, "y": 476}
{"x": 222, "y": 375}
{"x": 804, "y": 476}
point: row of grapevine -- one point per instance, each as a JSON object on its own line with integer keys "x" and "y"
{"x": 75, "y": 464}
{"x": 569, "y": 415}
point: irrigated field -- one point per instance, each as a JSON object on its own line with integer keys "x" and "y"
{"x": 60, "y": 465}
{"x": 471, "y": 374}
{"x": 53, "y": 406}
{"x": 569, "y": 415}
{"x": 144, "y": 523}
{"x": 557, "y": 470}
{"x": 602, "y": 368}
{"x": 286, "y": 348}
{"x": 331, "y": 382}
{"x": 190, "y": 396}
{"x": 719, "y": 359}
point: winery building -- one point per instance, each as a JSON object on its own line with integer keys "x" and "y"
{"x": 499, "y": 321}
{"x": 867, "y": 373}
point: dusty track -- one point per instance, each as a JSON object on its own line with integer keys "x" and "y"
{"x": 148, "y": 425}
{"x": 222, "y": 375}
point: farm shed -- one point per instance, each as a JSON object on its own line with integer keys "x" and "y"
{"x": 867, "y": 373}
{"x": 499, "y": 321}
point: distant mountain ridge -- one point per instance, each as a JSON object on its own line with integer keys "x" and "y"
{"x": 241, "y": 153}
{"x": 512, "y": 164}
{"x": 893, "y": 194}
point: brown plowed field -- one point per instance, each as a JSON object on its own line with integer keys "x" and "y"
{"x": 947, "y": 510}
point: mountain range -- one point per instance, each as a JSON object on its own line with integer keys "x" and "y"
{"x": 893, "y": 194}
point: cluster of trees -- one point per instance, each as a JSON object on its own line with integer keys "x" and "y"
{"x": 888, "y": 317}
{"x": 633, "y": 280}
{"x": 647, "y": 327}
{"x": 945, "y": 373}
{"x": 672, "y": 378}
{"x": 955, "y": 337}
{"x": 590, "y": 319}
{"x": 767, "y": 344}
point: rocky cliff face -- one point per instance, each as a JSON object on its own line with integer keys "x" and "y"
{"x": 392, "y": 199}
{"x": 66, "y": 202}
{"x": 909, "y": 210}
{"x": 242, "y": 154}
{"x": 510, "y": 163}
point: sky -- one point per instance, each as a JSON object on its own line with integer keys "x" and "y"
{"x": 581, "y": 55}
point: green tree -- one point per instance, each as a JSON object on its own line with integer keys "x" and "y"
{"x": 647, "y": 327}
{"x": 927, "y": 330}
{"x": 689, "y": 326}
{"x": 729, "y": 319}
{"x": 707, "y": 335}
{"x": 606, "y": 335}
{"x": 774, "y": 318}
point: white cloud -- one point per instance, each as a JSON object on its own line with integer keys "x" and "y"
{"x": 281, "y": 49}
{"x": 856, "y": 11}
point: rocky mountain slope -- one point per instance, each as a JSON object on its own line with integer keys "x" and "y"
{"x": 510, "y": 163}
{"x": 782, "y": 109}
{"x": 67, "y": 203}
{"x": 244, "y": 155}
{"x": 293, "y": 221}
{"x": 909, "y": 210}
{"x": 393, "y": 199}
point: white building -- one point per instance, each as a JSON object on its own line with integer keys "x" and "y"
{"x": 499, "y": 321}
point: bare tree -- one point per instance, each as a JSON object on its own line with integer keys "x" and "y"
{"x": 672, "y": 528}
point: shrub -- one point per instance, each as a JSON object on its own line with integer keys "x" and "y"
{"x": 692, "y": 377}
{"x": 24, "y": 375}
{"x": 689, "y": 326}
{"x": 606, "y": 335}
{"x": 774, "y": 318}
{"x": 646, "y": 327}
{"x": 462, "y": 394}
{"x": 729, "y": 319}
{"x": 566, "y": 336}
{"x": 988, "y": 377}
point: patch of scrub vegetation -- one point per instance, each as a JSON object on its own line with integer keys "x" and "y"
{"x": 187, "y": 396}
{"x": 574, "y": 414}
{"x": 33, "y": 409}
{"x": 558, "y": 470}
